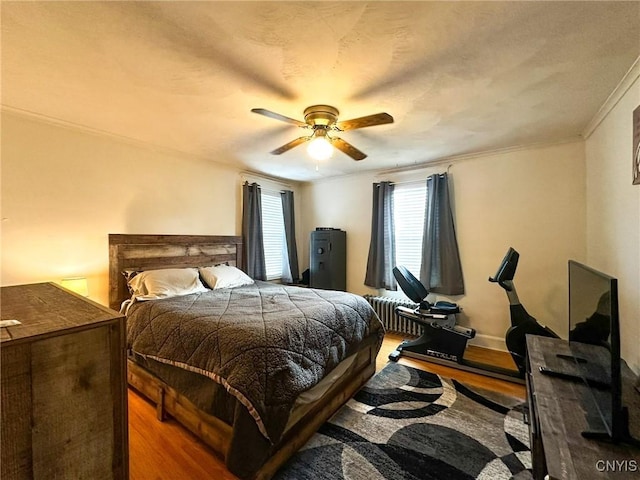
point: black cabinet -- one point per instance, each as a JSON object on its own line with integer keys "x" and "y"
{"x": 328, "y": 259}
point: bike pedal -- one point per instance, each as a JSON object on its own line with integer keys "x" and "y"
{"x": 394, "y": 356}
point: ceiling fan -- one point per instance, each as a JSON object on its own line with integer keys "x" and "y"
{"x": 321, "y": 122}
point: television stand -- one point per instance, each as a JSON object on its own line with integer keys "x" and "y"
{"x": 575, "y": 378}
{"x": 557, "y": 409}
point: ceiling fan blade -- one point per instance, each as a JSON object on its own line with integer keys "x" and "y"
{"x": 368, "y": 121}
{"x": 290, "y": 145}
{"x": 277, "y": 116}
{"x": 347, "y": 148}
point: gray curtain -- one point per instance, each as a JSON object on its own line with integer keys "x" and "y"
{"x": 382, "y": 251}
{"x": 441, "y": 271}
{"x": 252, "y": 246}
{"x": 290, "y": 264}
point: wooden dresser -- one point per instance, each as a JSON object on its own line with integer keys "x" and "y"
{"x": 64, "y": 403}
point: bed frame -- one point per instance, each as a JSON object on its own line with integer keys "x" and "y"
{"x": 146, "y": 252}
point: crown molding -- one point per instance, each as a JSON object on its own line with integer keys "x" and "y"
{"x": 625, "y": 84}
{"x": 57, "y": 122}
{"x": 452, "y": 160}
{"x": 379, "y": 173}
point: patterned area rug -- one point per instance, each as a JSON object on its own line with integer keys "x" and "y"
{"x": 409, "y": 424}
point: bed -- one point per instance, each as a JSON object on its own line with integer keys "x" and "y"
{"x": 252, "y": 370}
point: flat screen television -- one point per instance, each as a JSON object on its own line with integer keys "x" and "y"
{"x": 594, "y": 340}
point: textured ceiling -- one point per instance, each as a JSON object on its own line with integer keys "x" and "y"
{"x": 458, "y": 77}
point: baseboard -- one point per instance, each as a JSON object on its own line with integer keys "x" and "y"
{"x": 488, "y": 341}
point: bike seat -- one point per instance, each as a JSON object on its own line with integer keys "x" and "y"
{"x": 445, "y": 307}
{"x": 444, "y": 304}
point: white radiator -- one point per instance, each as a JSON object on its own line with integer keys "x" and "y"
{"x": 385, "y": 308}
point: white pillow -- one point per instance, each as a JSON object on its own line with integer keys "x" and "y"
{"x": 224, "y": 276}
{"x": 165, "y": 283}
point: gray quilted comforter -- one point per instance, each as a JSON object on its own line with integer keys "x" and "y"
{"x": 265, "y": 343}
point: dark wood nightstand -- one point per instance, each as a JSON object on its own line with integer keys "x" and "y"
{"x": 64, "y": 392}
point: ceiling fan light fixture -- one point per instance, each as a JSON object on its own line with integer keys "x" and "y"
{"x": 324, "y": 115}
{"x": 323, "y": 119}
{"x": 319, "y": 148}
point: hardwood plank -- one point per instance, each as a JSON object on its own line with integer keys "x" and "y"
{"x": 155, "y": 263}
{"x": 146, "y": 251}
{"x": 181, "y": 409}
{"x": 166, "y": 450}
{"x": 123, "y": 239}
{"x": 120, "y": 416}
{"x": 46, "y": 309}
{"x": 72, "y": 367}
{"x": 16, "y": 452}
{"x": 495, "y": 357}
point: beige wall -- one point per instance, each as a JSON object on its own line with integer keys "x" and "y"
{"x": 64, "y": 191}
{"x": 613, "y": 214}
{"x": 531, "y": 199}
{"x": 343, "y": 203}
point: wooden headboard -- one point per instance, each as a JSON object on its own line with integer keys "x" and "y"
{"x": 152, "y": 252}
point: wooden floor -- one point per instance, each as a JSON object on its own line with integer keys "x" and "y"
{"x": 166, "y": 451}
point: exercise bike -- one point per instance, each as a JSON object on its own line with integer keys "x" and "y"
{"x": 444, "y": 342}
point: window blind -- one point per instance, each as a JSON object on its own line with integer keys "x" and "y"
{"x": 273, "y": 233}
{"x": 409, "y": 211}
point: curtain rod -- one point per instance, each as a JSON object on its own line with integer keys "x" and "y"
{"x": 422, "y": 180}
{"x": 416, "y": 168}
{"x": 406, "y": 182}
{"x": 267, "y": 189}
{"x": 252, "y": 177}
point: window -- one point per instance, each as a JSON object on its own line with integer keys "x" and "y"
{"x": 409, "y": 212}
{"x": 273, "y": 233}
